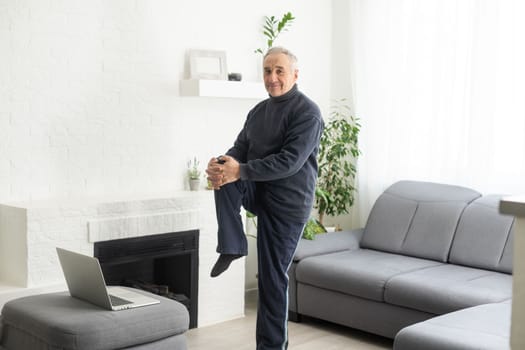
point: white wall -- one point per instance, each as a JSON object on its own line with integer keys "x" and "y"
{"x": 89, "y": 91}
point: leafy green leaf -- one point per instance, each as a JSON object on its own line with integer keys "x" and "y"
{"x": 312, "y": 228}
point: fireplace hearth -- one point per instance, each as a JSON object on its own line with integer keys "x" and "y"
{"x": 164, "y": 264}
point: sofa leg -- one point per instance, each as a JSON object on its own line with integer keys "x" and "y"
{"x": 294, "y": 316}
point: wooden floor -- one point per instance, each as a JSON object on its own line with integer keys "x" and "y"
{"x": 310, "y": 334}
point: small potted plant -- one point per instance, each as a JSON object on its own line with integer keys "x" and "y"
{"x": 194, "y": 174}
{"x": 273, "y": 27}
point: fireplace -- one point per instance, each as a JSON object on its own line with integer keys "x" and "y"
{"x": 165, "y": 264}
{"x": 30, "y": 232}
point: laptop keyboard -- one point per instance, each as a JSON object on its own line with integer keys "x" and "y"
{"x": 116, "y": 301}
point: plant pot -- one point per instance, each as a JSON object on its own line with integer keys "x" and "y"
{"x": 194, "y": 184}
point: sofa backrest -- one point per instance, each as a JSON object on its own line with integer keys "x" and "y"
{"x": 416, "y": 219}
{"x": 484, "y": 237}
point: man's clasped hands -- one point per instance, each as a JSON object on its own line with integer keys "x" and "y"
{"x": 222, "y": 170}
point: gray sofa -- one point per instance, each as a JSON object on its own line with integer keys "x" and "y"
{"x": 430, "y": 254}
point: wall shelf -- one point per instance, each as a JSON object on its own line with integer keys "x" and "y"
{"x": 223, "y": 88}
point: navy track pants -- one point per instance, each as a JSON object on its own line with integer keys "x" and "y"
{"x": 277, "y": 239}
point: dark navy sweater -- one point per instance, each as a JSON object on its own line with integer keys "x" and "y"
{"x": 277, "y": 149}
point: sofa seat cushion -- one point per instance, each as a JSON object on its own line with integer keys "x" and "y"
{"x": 446, "y": 288}
{"x": 360, "y": 272}
{"x": 483, "y": 327}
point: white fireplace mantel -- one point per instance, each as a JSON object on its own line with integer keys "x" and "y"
{"x": 30, "y": 231}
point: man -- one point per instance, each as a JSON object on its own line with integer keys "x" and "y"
{"x": 271, "y": 170}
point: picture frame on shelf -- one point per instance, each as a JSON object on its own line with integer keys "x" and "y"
{"x": 208, "y": 64}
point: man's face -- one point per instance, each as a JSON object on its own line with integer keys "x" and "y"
{"x": 279, "y": 77}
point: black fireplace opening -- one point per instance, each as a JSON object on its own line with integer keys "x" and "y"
{"x": 164, "y": 264}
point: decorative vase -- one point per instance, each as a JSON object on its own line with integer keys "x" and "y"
{"x": 194, "y": 184}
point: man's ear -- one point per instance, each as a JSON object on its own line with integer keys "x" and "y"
{"x": 296, "y": 74}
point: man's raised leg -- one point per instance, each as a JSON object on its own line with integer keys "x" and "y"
{"x": 232, "y": 243}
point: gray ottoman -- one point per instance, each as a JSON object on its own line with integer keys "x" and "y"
{"x": 58, "y": 321}
{"x": 483, "y": 327}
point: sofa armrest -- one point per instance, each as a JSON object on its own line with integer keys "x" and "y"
{"x": 329, "y": 242}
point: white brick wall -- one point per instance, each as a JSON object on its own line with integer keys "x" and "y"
{"x": 89, "y": 101}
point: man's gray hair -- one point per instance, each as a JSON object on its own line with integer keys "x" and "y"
{"x": 280, "y": 49}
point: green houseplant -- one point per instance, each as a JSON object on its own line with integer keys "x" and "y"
{"x": 194, "y": 174}
{"x": 273, "y": 27}
{"x": 338, "y": 153}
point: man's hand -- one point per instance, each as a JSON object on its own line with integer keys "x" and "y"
{"x": 222, "y": 174}
{"x": 231, "y": 170}
{"x": 215, "y": 171}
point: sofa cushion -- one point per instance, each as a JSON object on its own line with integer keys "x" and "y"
{"x": 484, "y": 237}
{"x": 483, "y": 327}
{"x": 361, "y": 272}
{"x": 447, "y": 288}
{"x": 329, "y": 242}
{"x": 417, "y": 219}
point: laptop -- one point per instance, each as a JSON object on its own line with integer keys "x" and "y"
{"x": 85, "y": 281}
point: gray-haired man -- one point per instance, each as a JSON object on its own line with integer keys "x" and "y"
{"x": 271, "y": 170}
